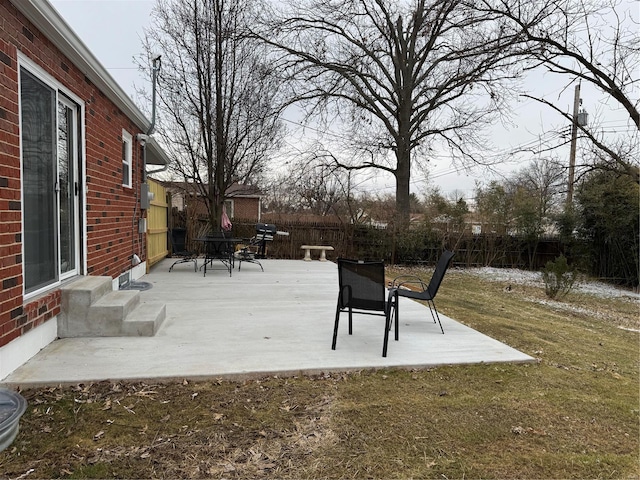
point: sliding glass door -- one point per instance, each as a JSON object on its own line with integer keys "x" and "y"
{"x": 49, "y": 129}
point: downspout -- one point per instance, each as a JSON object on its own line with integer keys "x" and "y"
{"x": 143, "y": 139}
{"x": 157, "y": 63}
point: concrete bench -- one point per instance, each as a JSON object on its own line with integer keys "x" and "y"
{"x": 323, "y": 251}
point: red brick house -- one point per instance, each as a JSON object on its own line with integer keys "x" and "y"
{"x": 243, "y": 202}
{"x": 73, "y": 156}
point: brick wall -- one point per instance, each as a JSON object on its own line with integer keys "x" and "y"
{"x": 245, "y": 208}
{"x": 112, "y": 210}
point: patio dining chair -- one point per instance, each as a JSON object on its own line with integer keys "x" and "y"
{"x": 426, "y": 292}
{"x": 217, "y": 248}
{"x": 361, "y": 290}
{"x": 256, "y": 246}
{"x": 179, "y": 249}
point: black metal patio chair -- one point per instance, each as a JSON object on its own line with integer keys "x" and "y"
{"x": 255, "y": 247}
{"x": 246, "y": 254}
{"x": 361, "y": 290}
{"x": 179, "y": 249}
{"x": 218, "y": 246}
{"x": 426, "y": 292}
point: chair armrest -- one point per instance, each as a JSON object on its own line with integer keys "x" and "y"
{"x": 402, "y": 280}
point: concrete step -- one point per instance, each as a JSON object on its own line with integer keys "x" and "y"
{"x": 145, "y": 320}
{"x": 85, "y": 291}
{"x": 91, "y": 308}
{"x": 108, "y": 313}
{"x": 77, "y": 297}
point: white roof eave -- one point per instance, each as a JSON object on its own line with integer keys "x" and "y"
{"x": 155, "y": 154}
{"x": 47, "y": 19}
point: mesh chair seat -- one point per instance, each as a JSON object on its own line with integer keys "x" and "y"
{"x": 256, "y": 246}
{"x": 414, "y": 294}
{"x": 361, "y": 290}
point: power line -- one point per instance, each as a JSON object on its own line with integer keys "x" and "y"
{"x": 542, "y": 141}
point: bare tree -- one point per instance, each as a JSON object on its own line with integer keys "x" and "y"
{"x": 525, "y": 202}
{"x": 543, "y": 182}
{"x": 217, "y": 93}
{"x": 320, "y": 190}
{"x": 591, "y": 40}
{"x": 587, "y": 41}
{"x": 401, "y": 78}
{"x": 311, "y": 185}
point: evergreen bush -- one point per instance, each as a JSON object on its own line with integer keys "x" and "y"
{"x": 558, "y": 277}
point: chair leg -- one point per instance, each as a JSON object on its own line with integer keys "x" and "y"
{"x": 182, "y": 260}
{"x": 396, "y": 304}
{"x": 350, "y": 321}
{"x": 391, "y": 316}
{"x": 335, "y": 328}
{"x": 434, "y": 309}
{"x": 387, "y": 327}
{"x": 240, "y": 260}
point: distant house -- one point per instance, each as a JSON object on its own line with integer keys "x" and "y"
{"x": 243, "y": 202}
{"x": 73, "y": 152}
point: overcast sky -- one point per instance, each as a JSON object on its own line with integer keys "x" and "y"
{"x": 112, "y": 29}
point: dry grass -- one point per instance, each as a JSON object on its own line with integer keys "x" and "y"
{"x": 574, "y": 414}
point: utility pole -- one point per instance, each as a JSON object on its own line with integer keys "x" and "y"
{"x": 580, "y": 119}
{"x": 572, "y": 152}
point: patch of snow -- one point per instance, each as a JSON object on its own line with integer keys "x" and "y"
{"x": 629, "y": 329}
{"x": 524, "y": 277}
{"x": 601, "y": 289}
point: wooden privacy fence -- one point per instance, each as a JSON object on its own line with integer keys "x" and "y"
{"x": 416, "y": 246}
{"x": 364, "y": 242}
{"x": 157, "y": 228}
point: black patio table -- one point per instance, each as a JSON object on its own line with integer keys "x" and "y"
{"x": 219, "y": 248}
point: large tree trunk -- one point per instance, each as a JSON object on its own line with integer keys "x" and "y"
{"x": 403, "y": 176}
{"x": 219, "y": 125}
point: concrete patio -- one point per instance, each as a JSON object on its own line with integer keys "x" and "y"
{"x": 254, "y": 323}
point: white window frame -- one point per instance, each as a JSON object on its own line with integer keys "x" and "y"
{"x": 230, "y": 207}
{"x": 127, "y": 170}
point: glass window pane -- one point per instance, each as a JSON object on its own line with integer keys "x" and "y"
{"x": 38, "y": 104}
{"x": 125, "y": 169}
{"x": 126, "y": 158}
{"x": 66, "y": 180}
